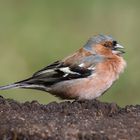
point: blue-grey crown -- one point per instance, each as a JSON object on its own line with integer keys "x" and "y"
{"x": 97, "y": 40}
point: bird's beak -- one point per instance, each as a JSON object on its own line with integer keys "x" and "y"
{"x": 119, "y": 46}
{"x": 118, "y": 49}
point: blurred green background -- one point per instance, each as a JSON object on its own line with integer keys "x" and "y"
{"x": 35, "y": 33}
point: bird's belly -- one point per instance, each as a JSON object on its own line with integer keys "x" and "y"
{"x": 85, "y": 88}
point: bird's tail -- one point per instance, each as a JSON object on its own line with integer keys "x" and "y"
{"x": 19, "y": 84}
{"x": 11, "y": 86}
{"x": 29, "y": 83}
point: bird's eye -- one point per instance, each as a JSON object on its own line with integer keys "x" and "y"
{"x": 108, "y": 44}
{"x": 114, "y": 43}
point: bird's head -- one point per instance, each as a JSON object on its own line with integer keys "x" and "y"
{"x": 104, "y": 45}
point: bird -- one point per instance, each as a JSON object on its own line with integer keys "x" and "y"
{"x": 85, "y": 75}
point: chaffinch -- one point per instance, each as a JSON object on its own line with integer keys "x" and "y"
{"x": 86, "y": 74}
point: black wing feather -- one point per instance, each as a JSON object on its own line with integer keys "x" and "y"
{"x": 53, "y": 74}
{"x": 56, "y": 64}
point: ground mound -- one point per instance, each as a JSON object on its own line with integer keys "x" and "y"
{"x": 77, "y": 120}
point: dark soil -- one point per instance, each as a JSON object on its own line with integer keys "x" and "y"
{"x": 78, "y": 120}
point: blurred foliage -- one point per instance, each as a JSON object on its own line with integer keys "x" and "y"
{"x": 35, "y": 33}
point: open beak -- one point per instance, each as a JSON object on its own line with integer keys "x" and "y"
{"x": 118, "y": 49}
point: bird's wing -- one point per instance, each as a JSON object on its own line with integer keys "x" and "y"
{"x": 58, "y": 71}
{"x": 54, "y": 73}
{"x": 48, "y": 69}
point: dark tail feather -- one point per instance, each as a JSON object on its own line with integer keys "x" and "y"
{"x": 26, "y": 86}
{"x": 10, "y": 86}
{"x": 20, "y": 84}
